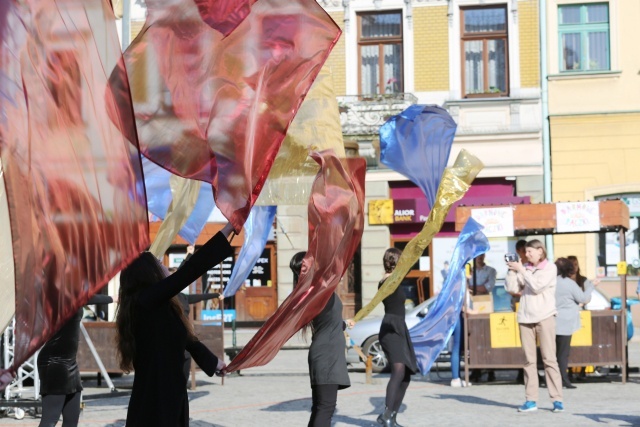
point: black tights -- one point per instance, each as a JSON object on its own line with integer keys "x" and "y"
{"x": 398, "y": 383}
{"x": 324, "y": 397}
{"x": 53, "y": 405}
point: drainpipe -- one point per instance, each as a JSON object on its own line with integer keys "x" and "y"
{"x": 546, "y": 143}
{"x": 126, "y": 24}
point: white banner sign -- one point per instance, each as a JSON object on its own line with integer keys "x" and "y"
{"x": 497, "y": 222}
{"x": 577, "y": 217}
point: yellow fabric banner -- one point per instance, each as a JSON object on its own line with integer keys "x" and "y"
{"x": 455, "y": 182}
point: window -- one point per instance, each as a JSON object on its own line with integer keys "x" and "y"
{"x": 609, "y": 243}
{"x": 583, "y": 32}
{"x": 380, "y": 52}
{"x": 484, "y": 51}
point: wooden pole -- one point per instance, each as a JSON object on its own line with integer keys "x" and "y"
{"x": 369, "y": 370}
{"x": 623, "y": 304}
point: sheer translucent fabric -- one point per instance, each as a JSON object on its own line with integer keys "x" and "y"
{"x": 7, "y": 279}
{"x": 185, "y": 195}
{"x": 316, "y": 127}
{"x": 256, "y": 233}
{"x": 73, "y": 181}
{"x": 455, "y": 182}
{"x": 432, "y": 333}
{"x": 336, "y": 221}
{"x": 216, "y": 108}
{"x": 160, "y": 196}
{"x": 417, "y": 143}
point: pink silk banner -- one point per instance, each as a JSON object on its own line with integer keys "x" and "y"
{"x": 73, "y": 181}
{"x": 216, "y": 108}
{"x": 336, "y": 222}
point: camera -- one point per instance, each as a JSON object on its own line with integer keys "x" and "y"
{"x": 511, "y": 257}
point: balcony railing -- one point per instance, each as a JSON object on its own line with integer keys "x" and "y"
{"x": 362, "y": 115}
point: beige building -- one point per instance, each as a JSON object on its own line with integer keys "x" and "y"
{"x": 594, "y": 114}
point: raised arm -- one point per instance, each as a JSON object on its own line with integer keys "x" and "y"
{"x": 210, "y": 254}
{"x": 100, "y": 299}
{"x": 194, "y": 298}
{"x": 580, "y": 296}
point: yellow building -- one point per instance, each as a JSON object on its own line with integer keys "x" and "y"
{"x": 480, "y": 60}
{"x": 594, "y": 114}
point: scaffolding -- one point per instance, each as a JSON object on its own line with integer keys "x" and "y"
{"x": 24, "y": 392}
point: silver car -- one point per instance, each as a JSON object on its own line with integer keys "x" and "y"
{"x": 365, "y": 335}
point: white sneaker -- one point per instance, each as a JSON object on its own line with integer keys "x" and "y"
{"x": 457, "y": 382}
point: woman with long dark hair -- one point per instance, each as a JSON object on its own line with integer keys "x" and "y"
{"x": 153, "y": 333}
{"x": 327, "y": 361}
{"x": 396, "y": 344}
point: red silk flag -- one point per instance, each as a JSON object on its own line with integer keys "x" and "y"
{"x": 73, "y": 181}
{"x": 216, "y": 108}
{"x": 336, "y": 222}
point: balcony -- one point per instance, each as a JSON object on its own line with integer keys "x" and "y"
{"x": 362, "y": 115}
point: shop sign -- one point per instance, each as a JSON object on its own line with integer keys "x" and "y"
{"x": 216, "y": 279}
{"x": 215, "y": 316}
{"x": 583, "y": 337}
{"x": 497, "y": 222}
{"x": 503, "y": 328}
{"x": 261, "y": 272}
{"x": 577, "y": 217}
{"x": 404, "y": 210}
{"x": 381, "y": 212}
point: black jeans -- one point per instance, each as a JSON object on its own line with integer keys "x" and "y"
{"x": 54, "y": 405}
{"x": 563, "y": 346}
{"x": 325, "y": 398}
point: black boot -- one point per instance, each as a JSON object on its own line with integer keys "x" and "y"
{"x": 393, "y": 418}
{"x": 386, "y": 419}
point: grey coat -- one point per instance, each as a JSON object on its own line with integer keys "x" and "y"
{"x": 568, "y": 296}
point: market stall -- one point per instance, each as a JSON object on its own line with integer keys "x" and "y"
{"x": 492, "y": 340}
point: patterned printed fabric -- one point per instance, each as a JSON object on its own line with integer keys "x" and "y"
{"x": 73, "y": 179}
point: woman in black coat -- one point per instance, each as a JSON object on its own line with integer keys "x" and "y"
{"x": 60, "y": 384}
{"x": 396, "y": 344}
{"x": 327, "y": 360}
{"x": 153, "y": 334}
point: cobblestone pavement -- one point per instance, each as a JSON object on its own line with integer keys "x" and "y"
{"x": 279, "y": 395}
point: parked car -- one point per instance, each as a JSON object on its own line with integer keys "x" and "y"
{"x": 365, "y": 335}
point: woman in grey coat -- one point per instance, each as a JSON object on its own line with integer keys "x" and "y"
{"x": 568, "y": 297}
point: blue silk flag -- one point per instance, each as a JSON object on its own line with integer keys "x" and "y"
{"x": 256, "y": 233}
{"x": 156, "y": 181}
{"x": 417, "y": 144}
{"x": 432, "y": 333}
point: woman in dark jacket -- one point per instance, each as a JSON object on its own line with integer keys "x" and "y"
{"x": 60, "y": 384}
{"x": 327, "y": 360}
{"x": 396, "y": 344}
{"x": 153, "y": 334}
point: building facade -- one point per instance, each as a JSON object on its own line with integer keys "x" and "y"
{"x": 478, "y": 59}
{"x": 594, "y": 116}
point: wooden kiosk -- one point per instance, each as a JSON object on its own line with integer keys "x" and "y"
{"x": 609, "y": 327}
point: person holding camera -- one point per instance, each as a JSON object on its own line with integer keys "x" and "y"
{"x": 537, "y": 312}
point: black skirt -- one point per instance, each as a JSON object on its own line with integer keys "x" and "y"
{"x": 396, "y": 343}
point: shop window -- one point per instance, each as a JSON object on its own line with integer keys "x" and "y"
{"x": 485, "y": 65}
{"x": 583, "y": 34}
{"x": 380, "y": 52}
{"x": 608, "y": 249}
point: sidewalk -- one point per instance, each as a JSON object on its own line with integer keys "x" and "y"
{"x": 279, "y": 395}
